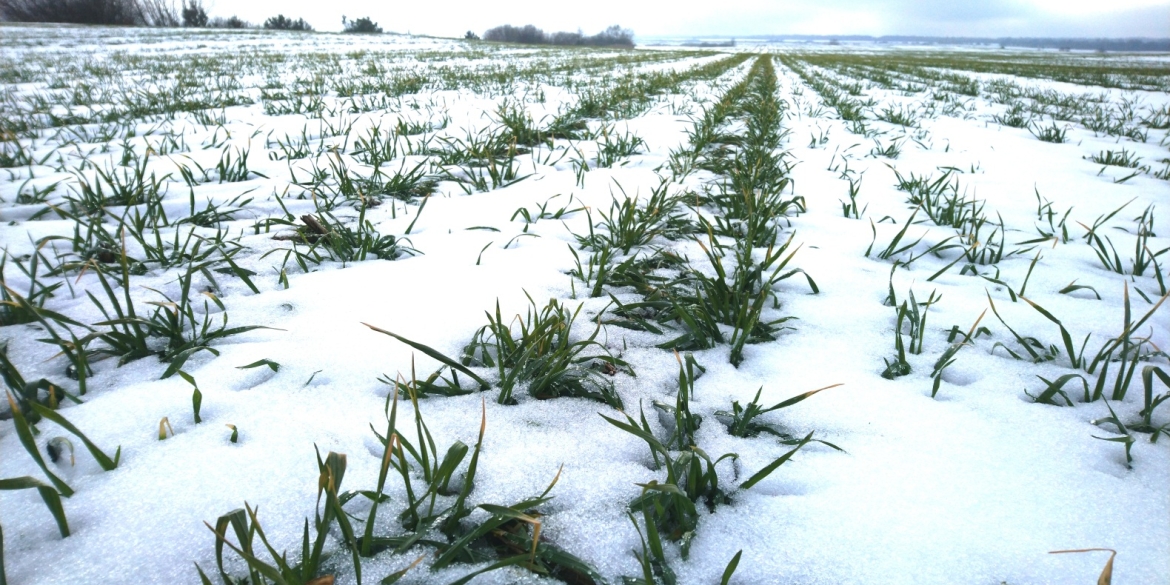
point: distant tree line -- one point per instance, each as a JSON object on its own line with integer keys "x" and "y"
{"x": 1120, "y": 45}
{"x": 710, "y": 44}
{"x": 195, "y": 16}
{"x": 614, "y": 36}
{"x": 1079, "y": 44}
{"x": 188, "y": 13}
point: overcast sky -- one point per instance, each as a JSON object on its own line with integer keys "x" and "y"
{"x": 982, "y": 18}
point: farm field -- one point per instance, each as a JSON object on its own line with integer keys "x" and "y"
{"x": 287, "y": 308}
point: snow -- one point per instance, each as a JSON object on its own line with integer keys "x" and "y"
{"x": 976, "y": 485}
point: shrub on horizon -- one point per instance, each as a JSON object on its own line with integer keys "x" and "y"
{"x": 361, "y": 25}
{"x": 194, "y": 15}
{"x": 280, "y": 22}
{"x": 230, "y": 22}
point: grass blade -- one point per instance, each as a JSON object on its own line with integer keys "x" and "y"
{"x": 765, "y": 472}
{"x": 483, "y": 385}
{"x": 52, "y": 501}
{"x": 103, "y": 460}
{"x": 24, "y": 432}
{"x": 730, "y": 570}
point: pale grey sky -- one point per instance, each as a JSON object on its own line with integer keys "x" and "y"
{"x": 986, "y": 18}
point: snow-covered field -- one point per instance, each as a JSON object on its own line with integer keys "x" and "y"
{"x": 207, "y": 236}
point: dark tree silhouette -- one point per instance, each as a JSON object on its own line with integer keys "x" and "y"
{"x": 361, "y": 25}
{"x": 193, "y": 14}
{"x": 119, "y": 12}
{"x": 280, "y": 22}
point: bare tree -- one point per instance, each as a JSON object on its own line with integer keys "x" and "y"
{"x": 158, "y": 13}
{"x": 118, "y": 12}
{"x": 193, "y": 14}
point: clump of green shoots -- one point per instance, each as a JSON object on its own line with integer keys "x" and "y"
{"x": 741, "y": 421}
{"x": 949, "y": 355}
{"x": 1144, "y": 258}
{"x": 14, "y": 154}
{"x": 849, "y": 208}
{"x": 614, "y": 147}
{"x": 1116, "y": 158}
{"x": 231, "y": 168}
{"x": 245, "y": 525}
{"x": 26, "y": 410}
{"x": 1124, "y": 436}
{"x": 436, "y": 514}
{"x": 890, "y": 151}
{"x": 1051, "y": 133}
{"x": 116, "y": 186}
{"x": 1045, "y": 211}
{"x": 896, "y": 248}
{"x": 173, "y": 331}
{"x": 341, "y": 243}
{"x": 901, "y": 115}
{"x": 1014, "y": 117}
{"x": 534, "y": 352}
{"x": 628, "y": 225}
{"x": 1152, "y": 401}
{"x": 1126, "y": 350}
{"x": 669, "y": 507}
{"x": 912, "y": 318}
{"x": 13, "y": 312}
{"x": 543, "y": 211}
{"x": 482, "y": 161}
{"x": 523, "y": 130}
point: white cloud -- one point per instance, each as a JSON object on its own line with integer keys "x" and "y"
{"x": 1093, "y": 7}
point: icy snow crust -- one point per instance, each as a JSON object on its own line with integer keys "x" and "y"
{"x": 976, "y": 485}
